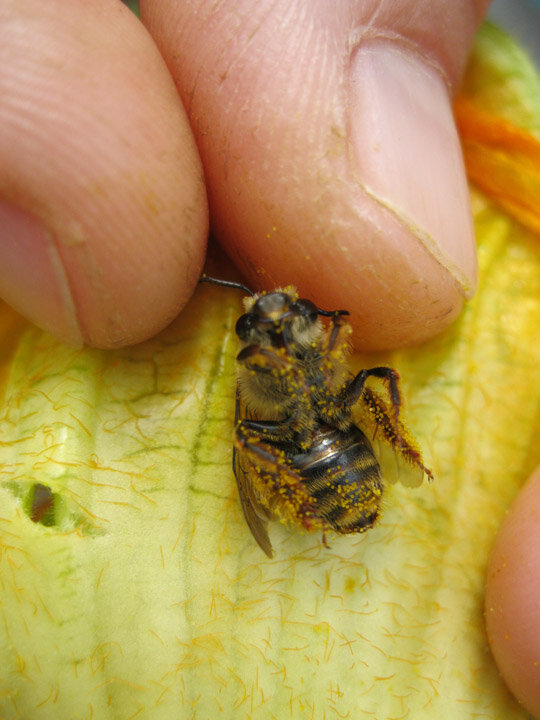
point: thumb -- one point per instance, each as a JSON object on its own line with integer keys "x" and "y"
{"x": 330, "y": 151}
{"x": 513, "y": 597}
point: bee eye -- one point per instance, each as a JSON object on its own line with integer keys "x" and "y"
{"x": 306, "y": 309}
{"x": 244, "y": 326}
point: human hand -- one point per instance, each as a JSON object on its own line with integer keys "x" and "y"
{"x": 326, "y": 137}
{"x": 513, "y": 597}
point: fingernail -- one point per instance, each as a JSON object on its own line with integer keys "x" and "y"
{"x": 32, "y": 276}
{"x": 407, "y": 153}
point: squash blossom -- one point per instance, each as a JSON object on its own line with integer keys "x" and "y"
{"x": 130, "y": 586}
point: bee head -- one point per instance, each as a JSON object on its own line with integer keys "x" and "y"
{"x": 279, "y": 319}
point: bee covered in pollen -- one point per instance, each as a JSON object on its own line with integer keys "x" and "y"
{"x": 306, "y": 429}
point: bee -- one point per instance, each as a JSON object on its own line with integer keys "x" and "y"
{"x": 311, "y": 440}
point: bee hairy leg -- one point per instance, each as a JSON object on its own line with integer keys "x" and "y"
{"x": 339, "y": 328}
{"x": 263, "y": 359}
{"x": 395, "y": 436}
{"x": 351, "y": 394}
{"x": 270, "y": 430}
{"x": 277, "y": 376}
{"x": 275, "y": 363}
{"x": 278, "y": 484}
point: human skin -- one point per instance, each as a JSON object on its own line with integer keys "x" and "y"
{"x": 326, "y": 138}
{"x": 513, "y": 597}
{"x": 316, "y": 137}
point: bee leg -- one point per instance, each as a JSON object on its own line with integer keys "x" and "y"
{"x": 277, "y": 364}
{"x": 275, "y": 478}
{"x": 270, "y": 430}
{"x": 395, "y": 436}
{"x": 339, "y": 327}
{"x": 285, "y": 373}
{"x": 263, "y": 360}
{"x": 355, "y": 388}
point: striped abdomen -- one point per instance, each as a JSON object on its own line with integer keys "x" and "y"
{"x": 342, "y": 474}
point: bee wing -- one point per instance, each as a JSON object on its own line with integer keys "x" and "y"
{"x": 394, "y": 447}
{"x": 395, "y": 468}
{"x": 256, "y": 515}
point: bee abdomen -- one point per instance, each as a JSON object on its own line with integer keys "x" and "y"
{"x": 342, "y": 474}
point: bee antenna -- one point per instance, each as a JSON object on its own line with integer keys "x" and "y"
{"x": 225, "y": 283}
{"x": 332, "y": 313}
